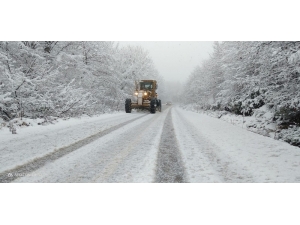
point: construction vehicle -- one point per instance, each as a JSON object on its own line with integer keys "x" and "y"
{"x": 145, "y": 97}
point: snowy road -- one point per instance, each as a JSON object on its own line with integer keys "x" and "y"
{"x": 171, "y": 146}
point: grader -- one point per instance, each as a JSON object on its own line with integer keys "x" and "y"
{"x": 145, "y": 97}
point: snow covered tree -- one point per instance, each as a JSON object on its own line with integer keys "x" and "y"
{"x": 244, "y": 76}
{"x": 134, "y": 64}
{"x": 51, "y": 78}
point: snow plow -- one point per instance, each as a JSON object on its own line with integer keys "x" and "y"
{"x": 145, "y": 97}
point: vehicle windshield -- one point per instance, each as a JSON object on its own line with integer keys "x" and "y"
{"x": 146, "y": 85}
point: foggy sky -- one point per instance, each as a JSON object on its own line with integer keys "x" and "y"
{"x": 175, "y": 60}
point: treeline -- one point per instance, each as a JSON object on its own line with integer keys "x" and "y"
{"x": 243, "y": 76}
{"x": 51, "y": 78}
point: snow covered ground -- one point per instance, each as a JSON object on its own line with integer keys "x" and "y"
{"x": 135, "y": 148}
{"x": 124, "y": 155}
{"x": 217, "y": 151}
{"x": 38, "y": 140}
{"x": 261, "y": 122}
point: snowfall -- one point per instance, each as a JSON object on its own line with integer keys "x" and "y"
{"x": 175, "y": 145}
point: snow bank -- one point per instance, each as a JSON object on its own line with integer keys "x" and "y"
{"x": 217, "y": 151}
{"x": 260, "y": 122}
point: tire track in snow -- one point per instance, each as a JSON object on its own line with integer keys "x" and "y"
{"x": 21, "y": 149}
{"x": 125, "y": 155}
{"x": 205, "y": 161}
{"x": 131, "y": 152}
{"x": 22, "y": 170}
{"x": 170, "y": 167}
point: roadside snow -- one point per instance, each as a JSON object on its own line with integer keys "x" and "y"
{"x": 38, "y": 140}
{"x": 217, "y": 151}
{"x": 261, "y": 122}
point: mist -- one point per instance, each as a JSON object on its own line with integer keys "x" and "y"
{"x": 175, "y": 60}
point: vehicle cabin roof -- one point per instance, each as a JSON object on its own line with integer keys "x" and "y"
{"x": 148, "y": 80}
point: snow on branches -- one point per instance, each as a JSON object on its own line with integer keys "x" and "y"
{"x": 60, "y": 79}
{"x": 241, "y": 77}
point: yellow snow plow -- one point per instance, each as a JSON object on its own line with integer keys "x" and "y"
{"x": 145, "y": 97}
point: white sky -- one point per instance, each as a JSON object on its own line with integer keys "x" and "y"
{"x": 175, "y": 60}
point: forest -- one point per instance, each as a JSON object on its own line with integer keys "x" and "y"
{"x": 45, "y": 79}
{"x": 51, "y": 79}
{"x": 256, "y": 79}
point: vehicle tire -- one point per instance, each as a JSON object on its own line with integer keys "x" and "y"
{"x": 159, "y": 105}
{"x": 128, "y": 105}
{"x": 153, "y": 106}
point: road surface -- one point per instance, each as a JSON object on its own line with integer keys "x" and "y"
{"x": 172, "y": 146}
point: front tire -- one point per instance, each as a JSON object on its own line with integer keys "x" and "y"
{"x": 128, "y": 105}
{"x": 153, "y": 106}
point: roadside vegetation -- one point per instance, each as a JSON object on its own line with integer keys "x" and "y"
{"x": 251, "y": 79}
{"x": 51, "y": 79}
